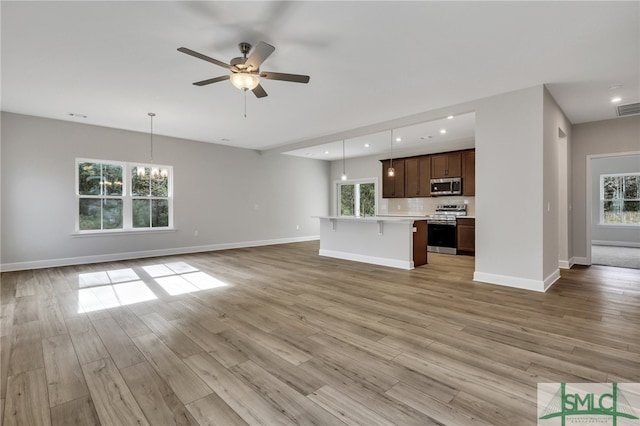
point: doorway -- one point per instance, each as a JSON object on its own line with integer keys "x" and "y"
{"x": 613, "y": 210}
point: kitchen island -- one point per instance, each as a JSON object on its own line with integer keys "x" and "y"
{"x": 399, "y": 242}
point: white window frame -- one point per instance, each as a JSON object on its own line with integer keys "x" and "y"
{"x": 357, "y": 183}
{"x": 126, "y": 197}
{"x": 601, "y": 221}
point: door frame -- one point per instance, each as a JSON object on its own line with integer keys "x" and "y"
{"x": 588, "y": 198}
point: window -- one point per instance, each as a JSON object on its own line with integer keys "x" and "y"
{"x": 120, "y": 196}
{"x": 150, "y": 192}
{"x": 620, "y": 199}
{"x": 100, "y": 195}
{"x": 357, "y": 198}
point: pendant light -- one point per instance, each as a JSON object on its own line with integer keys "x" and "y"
{"x": 391, "y": 172}
{"x": 141, "y": 170}
{"x": 344, "y": 171}
{"x": 151, "y": 115}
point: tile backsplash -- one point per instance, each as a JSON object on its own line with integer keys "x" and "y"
{"x": 422, "y": 206}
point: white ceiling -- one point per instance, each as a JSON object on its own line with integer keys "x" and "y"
{"x": 423, "y": 138}
{"x": 369, "y": 62}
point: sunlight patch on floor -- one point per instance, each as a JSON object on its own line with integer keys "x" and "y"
{"x": 119, "y": 287}
{"x": 111, "y": 296}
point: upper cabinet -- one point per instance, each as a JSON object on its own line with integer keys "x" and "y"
{"x": 393, "y": 186}
{"x": 413, "y": 175}
{"x": 446, "y": 165}
{"x": 417, "y": 176}
{"x": 469, "y": 173}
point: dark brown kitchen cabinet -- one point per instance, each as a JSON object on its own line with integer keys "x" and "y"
{"x": 446, "y": 165}
{"x": 393, "y": 186}
{"x": 466, "y": 236}
{"x": 469, "y": 173}
{"x": 417, "y": 176}
{"x": 419, "y": 243}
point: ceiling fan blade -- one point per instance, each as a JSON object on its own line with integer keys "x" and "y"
{"x": 211, "y": 80}
{"x": 203, "y": 57}
{"x": 296, "y": 78}
{"x": 259, "y": 91}
{"x": 259, "y": 54}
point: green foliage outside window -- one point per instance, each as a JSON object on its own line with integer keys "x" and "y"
{"x": 620, "y": 202}
{"x": 347, "y": 200}
{"x": 102, "y": 198}
{"x": 368, "y": 199}
{"x": 149, "y": 186}
{"x": 98, "y": 183}
{"x": 357, "y": 199}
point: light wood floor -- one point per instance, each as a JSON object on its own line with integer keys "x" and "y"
{"x": 278, "y": 335}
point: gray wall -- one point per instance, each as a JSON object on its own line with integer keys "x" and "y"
{"x": 625, "y": 236}
{"x": 509, "y": 188}
{"x": 556, "y": 197}
{"x": 231, "y": 196}
{"x": 590, "y": 140}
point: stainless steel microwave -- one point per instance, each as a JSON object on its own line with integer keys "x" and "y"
{"x": 446, "y": 186}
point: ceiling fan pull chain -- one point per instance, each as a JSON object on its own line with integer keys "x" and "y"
{"x": 245, "y": 103}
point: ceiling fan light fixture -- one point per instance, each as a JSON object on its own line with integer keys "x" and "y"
{"x": 244, "y": 80}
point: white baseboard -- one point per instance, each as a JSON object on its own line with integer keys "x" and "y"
{"x": 551, "y": 279}
{"x": 634, "y": 244}
{"x": 52, "y": 263}
{"x": 580, "y": 261}
{"x": 566, "y": 264}
{"x": 402, "y": 264}
{"x": 516, "y": 282}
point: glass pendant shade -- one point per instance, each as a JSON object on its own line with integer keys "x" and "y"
{"x": 244, "y": 81}
{"x": 391, "y": 172}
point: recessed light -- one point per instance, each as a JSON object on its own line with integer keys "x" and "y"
{"x": 398, "y": 139}
{"x": 443, "y": 131}
{"x": 616, "y": 100}
{"x": 450, "y": 117}
{"x": 366, "y": 145}
{"x": 326, "y": 152}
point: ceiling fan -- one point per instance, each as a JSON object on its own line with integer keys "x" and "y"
{"x": 245, "y": 71}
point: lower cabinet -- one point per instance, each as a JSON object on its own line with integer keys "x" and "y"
{"x": 466, "y": 239}
{"x": 420, "y": 243}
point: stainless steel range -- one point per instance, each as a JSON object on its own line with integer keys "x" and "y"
{"x": 441, "y": 228}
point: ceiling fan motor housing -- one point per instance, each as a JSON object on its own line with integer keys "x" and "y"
{"x": 238, "y": 63}
{"x": 245, "y": 48}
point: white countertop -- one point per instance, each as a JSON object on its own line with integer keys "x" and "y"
{"x": 374, "y": 218}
